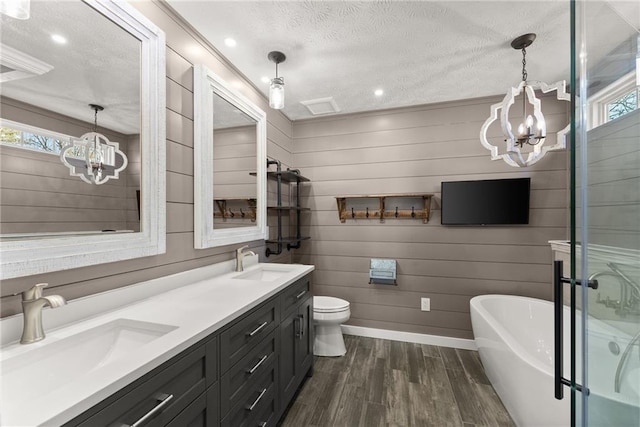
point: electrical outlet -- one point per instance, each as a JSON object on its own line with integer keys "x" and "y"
{"x": 425, "y": 304}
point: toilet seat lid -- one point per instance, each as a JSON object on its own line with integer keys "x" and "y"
{"x": 329, "y": 304}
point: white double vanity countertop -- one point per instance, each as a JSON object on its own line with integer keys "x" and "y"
{"x": 96, "y": 345}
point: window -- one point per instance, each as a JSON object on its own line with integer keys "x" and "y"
{"x": 32, "y": 138}
{"x": 623, "y": 105}
{"x": 614, "y": 101}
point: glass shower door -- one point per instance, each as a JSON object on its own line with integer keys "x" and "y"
{"x": 606, "y": 222}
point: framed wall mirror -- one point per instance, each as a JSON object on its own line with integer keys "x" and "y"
{"x": 67, "y": 58}
{"x": 230, "y": 164}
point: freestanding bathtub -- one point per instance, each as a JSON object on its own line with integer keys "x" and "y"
{"x": 514, "y": 336}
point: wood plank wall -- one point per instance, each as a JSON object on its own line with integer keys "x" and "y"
{"x": 37, "y": 193}
{"x": 184, "y": 48}
{"x": 614, "y": 183}
{"x": 234, "y": 154}
{"x": 408, "y": 151}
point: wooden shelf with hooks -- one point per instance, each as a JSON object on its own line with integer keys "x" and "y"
{"x": 381, "y": 211}
{"x": 225, "y": 211}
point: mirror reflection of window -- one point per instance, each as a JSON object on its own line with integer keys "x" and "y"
{"x": 43, "y": 106}
{"x": 234, "y": 154}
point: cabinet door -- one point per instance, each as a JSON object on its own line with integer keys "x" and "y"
{"x": 305, "y": 337}
{"x": 289, "y": 329}
{"x": 202, "y": 412}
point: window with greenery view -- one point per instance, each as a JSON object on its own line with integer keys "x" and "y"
{"x": 622, "y": 105}
{"x": 23, "y": 136}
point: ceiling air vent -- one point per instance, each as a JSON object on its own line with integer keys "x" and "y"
{"x": 321, "y": 106}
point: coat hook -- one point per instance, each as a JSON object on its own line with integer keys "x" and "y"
{"x": 396, "y": 212}
{"x": 241, "y": 213}
{"x": 353, "y": 214}
{"x": 413, "y": 213}
{"x": 367, "y": 212}
{"x": 231, "y": 213}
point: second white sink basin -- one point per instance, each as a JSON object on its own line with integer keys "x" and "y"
{"x": 55, "y": 364}
{"x": 266, "y": 272}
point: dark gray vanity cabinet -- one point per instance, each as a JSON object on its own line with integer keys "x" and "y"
{"x": 163, "y": 394}
{"x": 245, "y": 374}
{"x": 296, "y": 339}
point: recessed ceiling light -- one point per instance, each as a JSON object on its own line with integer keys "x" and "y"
{"x": 265, "y": 79}
{"x": 230, "y": 42}
{"x": 58, "y": 39}
{"x": 378, "y": 92}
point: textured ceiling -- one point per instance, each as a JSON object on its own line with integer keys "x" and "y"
{"x": 418, "y": 52}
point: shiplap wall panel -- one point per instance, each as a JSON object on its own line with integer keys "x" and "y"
{"x": 179, "y": 158}
{"x": 179, "y": 99}
{"x": 39, "y": 194}
{"x": 613, "y": 188}
{"x": 413, "y": 150}
{"x": 180, "y": 255}
{"x": 431, "y": 284}
{"x": 179, "y": 129}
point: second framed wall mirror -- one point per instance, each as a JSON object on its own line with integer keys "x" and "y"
{"x": 229, "y": 166}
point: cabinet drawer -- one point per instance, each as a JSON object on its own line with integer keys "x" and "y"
{"x": 260, "y": 394}
{"x": 294, "y": 294}
{"x": 160, "y": 397}
{"x": 246, "y": 332}
{"x": 242, "y": 374}
{"x": 266, "y": 416}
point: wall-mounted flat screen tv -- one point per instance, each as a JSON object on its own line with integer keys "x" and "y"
{"x": 486, "y": 202}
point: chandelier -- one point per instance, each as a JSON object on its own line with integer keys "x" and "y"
{"x": 93, "y": 157}
{"x": 531, "y": 129}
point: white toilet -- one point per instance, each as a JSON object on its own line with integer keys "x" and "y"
{"x": 328, "y": 314}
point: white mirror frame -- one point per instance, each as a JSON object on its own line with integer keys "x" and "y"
{"x": 37, "y": 255}
{"x": 206, "y": 85}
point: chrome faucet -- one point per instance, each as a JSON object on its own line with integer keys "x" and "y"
{"x": 240, "y": 257}
{"x": 32, "y": 304}
{"x": 629, "y": 301}
{"x": 623, "y": 359}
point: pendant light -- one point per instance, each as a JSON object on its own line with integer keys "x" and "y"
{"x": 531, "y": 127}
{"x": 276, "y": 87}
{"x": 93, "y": 157}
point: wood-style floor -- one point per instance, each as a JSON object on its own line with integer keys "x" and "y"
{"x": 391, "y": 383}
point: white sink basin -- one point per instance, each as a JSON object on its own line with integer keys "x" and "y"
{"x": 52, "y": 365}
{"x": 266, "y": 272}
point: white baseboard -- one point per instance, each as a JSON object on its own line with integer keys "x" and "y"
{"x": 461, "y": 343}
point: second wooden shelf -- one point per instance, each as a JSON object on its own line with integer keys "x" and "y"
{"x": 381, "y": 211}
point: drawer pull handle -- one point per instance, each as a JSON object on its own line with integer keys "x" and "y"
{"x": 258, "y": 329}
{"x": 257, "y": 365}
{"x": 301, "y": 317}
{"x": 255, "y": 402}
{"x": 301, "y": 294}
{"x": 163, "y": 400}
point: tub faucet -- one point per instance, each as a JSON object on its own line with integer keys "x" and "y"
{"x": 629, "y": 301}
{"x": 240, "y": 257}
{"x": 623, "y": 359}
{"x": 32, "y": 304}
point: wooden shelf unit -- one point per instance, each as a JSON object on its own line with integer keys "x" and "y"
{"x": 381, "y": 212}
{"x": 225, "y": 212}
{"x": 288, "y": 178}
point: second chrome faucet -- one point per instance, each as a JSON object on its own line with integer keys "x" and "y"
{"x": 240, "y": 257}
{"x": 32, "y": 304}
